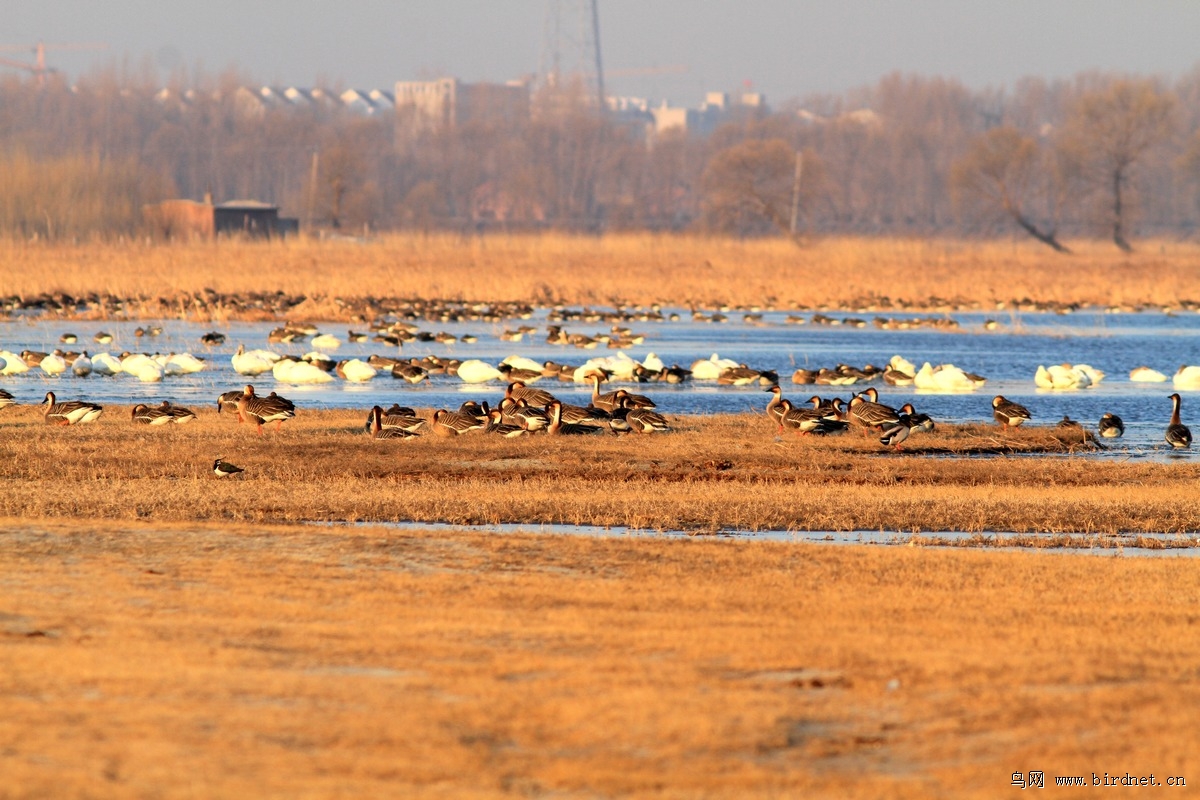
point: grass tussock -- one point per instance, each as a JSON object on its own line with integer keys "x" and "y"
{"x": 241, "y": 660}
{"x": 711, "y": 473}
{"x": 617, "y": 269}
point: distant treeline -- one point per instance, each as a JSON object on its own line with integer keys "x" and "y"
{"x": 1096, "y": 156}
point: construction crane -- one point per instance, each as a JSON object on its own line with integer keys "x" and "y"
{"x": 38, "y": 65}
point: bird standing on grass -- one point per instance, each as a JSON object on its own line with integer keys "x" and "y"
{"x": 223, "y": 469}
{"x": 1178, "y": 435}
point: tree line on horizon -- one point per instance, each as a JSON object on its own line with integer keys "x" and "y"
{"x": 1097, "y": 156}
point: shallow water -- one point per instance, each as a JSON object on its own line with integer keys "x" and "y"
{"x": 1116, "y": 545}
{"x": 1008, "y": 357}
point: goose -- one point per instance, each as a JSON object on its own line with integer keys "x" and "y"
{"x": 1178, "y": 435}
{"x": 6, "y": 399}
{"x": 1008, "y": 413}
{"x": 179, "y": 414}
{"x": 498, "y": 426}
{"x": 145, "y": 415}
{"x": 412, "y": 373}
{"x": 802, "y": 420}
{"x": 740, "y": 375}
{"x": 213, "y": 338}
{"x": 68, "y": 338}
{"x": 607, "y": 401}
{"x": 356, "y": 370}
{"x": 1186, "y": 378}
{"x": 397, "y": 417}
{"x": 454, "y": 423}
{"x": 356, "y": 337}
{"x": 475, "y": 371}
{"x": 320, "y": 360}
{"x": 517, "y": 374}
{"x": 378, "y": 431}
{"x": 1111, "y": 426}
{"x": 517, "y": 390}
{"x": 1067, "y": 422}
{"x": 558, "y": 427}
{"x": 519, "y": 412}
{"x": 642, "y": 420}
{"x": 69, "y": 412}
{"x": 230, "y": 399}
{"x": 870, "y": 414}
{"x": 254, "y": 362}
{"x": 223, "y": 469}
{"x": 103, "y": 337}
{"x": 261, "y": 410}
{"x": 582, "y": 415}
{"x": 774, "y": 404}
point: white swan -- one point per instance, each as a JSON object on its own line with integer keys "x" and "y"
{"x": 327, "y": 341}
{"x": 475, "y": 371}
{"x": 1146, "y": 375}
{"x": 944, "y": 378}
{"x": 653, "y": 363}
{"x": 902, "y": 364}
{"x": 521, "y": 362}
{"x": 356, "y": 370}
{"x": 1187, "y": 378}
{"x": 106, "y": 364}
{"x": 142, "y": 367}
{"x": 180, "y": 364}
{"x": 53, "y": 364}
{"x": 82, "y": 365}
{"x": 13, "y": 363}
{"x": 254, "y": 362}
{"x": 709, "y": 369}
{"x": 287, "y": 370}
{"x": 1061, "y": 377}
{"x": 619, "y": 368}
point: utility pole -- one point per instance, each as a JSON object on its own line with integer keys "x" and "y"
{"x": 796, "y": 193}
{"x": 312, "y": 189}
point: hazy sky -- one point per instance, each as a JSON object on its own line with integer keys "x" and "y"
{"x": 676, "y": 49}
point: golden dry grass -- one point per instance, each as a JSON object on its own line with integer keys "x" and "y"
{"x": 725, "y": 471}
{"x": 627, "y": 269}
{"x": 212, "y": 661}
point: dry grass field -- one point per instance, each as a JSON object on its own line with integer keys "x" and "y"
{"x": 617, "y": 269}
{"x": 711, "y": 473}
{"x": 212, "y": 661}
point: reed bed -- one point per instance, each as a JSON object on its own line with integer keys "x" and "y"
{"x": 227, "y": 660}
{"x": 633, "y": 269}
{"x": 710, "y": 474}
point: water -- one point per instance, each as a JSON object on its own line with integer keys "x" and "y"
{"x": 1008, "y": 357}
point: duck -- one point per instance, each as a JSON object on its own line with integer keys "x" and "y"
{"x": 378, "y": 431}
{"x": 918, "y": 422}
{"x": 1178, "y": 435}
{"x": 223, "y": 469}
{"x": 145, "y": 415}
{"x": 260, "y": 410}
{"x": 1008, "y": 413}
{"x": 1111, "y": 426}
{"x": 212, "y": 339}
{"x": 69, "y": 412}
{"x": 897, "y": 433}
{"x": 1067, "y": 422}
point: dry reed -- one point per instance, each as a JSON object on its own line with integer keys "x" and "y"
{"x": 619, "y": 269}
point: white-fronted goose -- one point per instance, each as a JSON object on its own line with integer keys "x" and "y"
{"x": 517, "y": 390}
{"x": 870, "y": 414}
{"x": 378, "y": 431}
{"x": 453, "y": 423}
{"x": 145, "y": 415}
{"x": 260, "y": 410}
{"x": 558, "y": 427}
{"x": 497, "y": 426}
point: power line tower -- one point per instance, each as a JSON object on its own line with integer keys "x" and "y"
{"x": 571, "y": 48}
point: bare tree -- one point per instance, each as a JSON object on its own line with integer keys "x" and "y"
{"x": 1000, "y": 174}
{"x": 1111, "y": 131}
{"x": 748, "y": 187}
